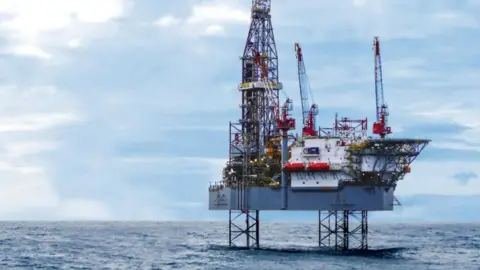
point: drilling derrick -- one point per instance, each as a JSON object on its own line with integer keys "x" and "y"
{"x": 309, "y": 112}
{"x": 260, "y": 86}
{"x": 381, "y": 126}
{"x": 255, "y": 141}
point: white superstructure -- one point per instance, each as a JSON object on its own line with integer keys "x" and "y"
{"x": 334, "y": 163}
{"x": 327, "y": 151}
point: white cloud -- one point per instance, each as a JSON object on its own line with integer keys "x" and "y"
{"x": 21, "y": 192}
{"x": 23, "y": 148}
{"x": 213, "y": 30}
{"x": 35, "y": 122}
{"x": 435, "y": 111}
{"x": 208, "y": 18}
{"x": 21, "y": 169}
{"x": 359, "y": 3}
{"x": 166, "y": 21}
{"x": 441, "y": 109}
{"x": 30, "y": 18}
{"x": 437, "y": 178}
{"x": 80, "y": 209}
{"x": 360, "y": 20}
{"x": 218, "y": 12}
{"x": 184, "y": 162}
{"x": 26, "y": 22}
{"x": 29, "y": 50}
{"x": 201, "y": 165}
{"x": 35, "y": 108}
{"x": 75, "y": 43}
{"x": 28, "y": 120}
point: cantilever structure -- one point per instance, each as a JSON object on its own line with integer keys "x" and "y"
{"x": 341, "y": 173}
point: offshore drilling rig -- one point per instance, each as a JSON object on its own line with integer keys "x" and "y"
{"x": 339, "y": 171}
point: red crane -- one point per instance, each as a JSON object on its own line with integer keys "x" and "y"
{"x": 309, "y": 112}
{"x": 284, "y": 120}
{"x": 381, "y": 126}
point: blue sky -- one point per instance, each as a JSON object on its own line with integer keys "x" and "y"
{"x": 120, "y": 110}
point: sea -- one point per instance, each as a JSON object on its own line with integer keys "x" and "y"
{"x": 204, "y": 245}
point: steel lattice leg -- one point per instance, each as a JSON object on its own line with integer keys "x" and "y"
{"x": 343, "y": 230}
{"x": 244, "y": 222}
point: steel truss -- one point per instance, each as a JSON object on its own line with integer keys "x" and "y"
{"x": 343, "y": 230}
{"x": 350, "y": 128}
{"x": 346, "y": 128}
{"x": 250, "y": 228}
{"x": 394, "y": 157}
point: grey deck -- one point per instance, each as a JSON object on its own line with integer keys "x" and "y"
{"x": 355, "y": 198}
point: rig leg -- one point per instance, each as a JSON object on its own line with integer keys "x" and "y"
{"x": 244, "y": 222}
{"x": 343, "y": 230}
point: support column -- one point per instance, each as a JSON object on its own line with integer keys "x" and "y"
{"x": 343, "y": 230}
{"x": 283, "y": 181}
{"x": 244, "y": 223}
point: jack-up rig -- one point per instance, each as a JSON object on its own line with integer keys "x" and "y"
{"x": 339, "y": 171}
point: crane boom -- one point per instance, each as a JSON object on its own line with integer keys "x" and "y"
{"x": 381, "y": 126}
{"x": 309, "y": 112}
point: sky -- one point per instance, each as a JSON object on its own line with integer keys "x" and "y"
{"x": 119, "y": 109}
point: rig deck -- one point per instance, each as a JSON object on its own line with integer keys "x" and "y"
{"x": 364, "y": 179}
{"x": 351, "y": 198}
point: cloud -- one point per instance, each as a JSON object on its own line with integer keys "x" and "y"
{"x": 28, "y": 109}
{"x": 208, "y": 18}
{"x": 218, "y": 12}
{"x": 364, "y": 19}
{"x": 84, "y": 209}
{"x": 464, "y": 177}
{"x": 74, "y": 43}
{"x": 166, "y": 21}
{"x": 30, "y": 25}
{"x": 426, "y": 208}
{"x": 430, "y": 177}
{"x": 34, "y": 122}
{"x": 214, "y": 30}
{"x": 30, "y": 119}
{"x": 29, "y": 50}
{"x": 23, "y": 148}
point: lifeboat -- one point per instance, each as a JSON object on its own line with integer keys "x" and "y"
{"x": 318, "y": 166}
{"x": 289, "y": 166}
